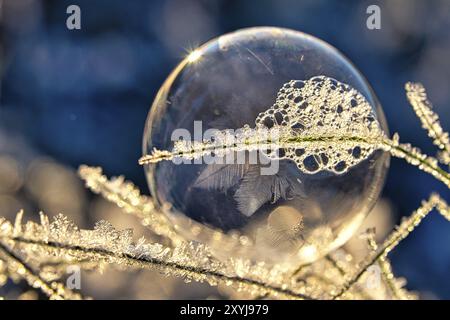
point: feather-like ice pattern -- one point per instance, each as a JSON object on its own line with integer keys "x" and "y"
{"x": 255, "y": 190}
{"x": 220, "y": 177}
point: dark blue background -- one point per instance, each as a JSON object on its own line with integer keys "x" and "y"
{"x": 82, "y": 96}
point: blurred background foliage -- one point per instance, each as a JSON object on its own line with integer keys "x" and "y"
{"x": 82, "y": 96}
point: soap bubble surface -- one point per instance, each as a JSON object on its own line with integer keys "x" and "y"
{"x": 229, "y": 83}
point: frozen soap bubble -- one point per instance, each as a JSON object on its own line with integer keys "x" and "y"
{"x": 255, "y": 81}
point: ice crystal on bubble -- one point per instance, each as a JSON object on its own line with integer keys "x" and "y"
{"x": 320, "y": 124}
{"x": 328, "y": 122}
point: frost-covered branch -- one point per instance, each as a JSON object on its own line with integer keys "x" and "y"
{"x": 415, "y": 157}
{"x": 400, "y": 232}
{"x": 394, "y": 285}
{"x": 192, "y": 262}
{"x": 423, "y": 108}
{"x": 16, "y": 266}
{"x": 125, "y": 195}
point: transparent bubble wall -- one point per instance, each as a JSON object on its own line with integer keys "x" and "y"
{"x": 289, "y": 216}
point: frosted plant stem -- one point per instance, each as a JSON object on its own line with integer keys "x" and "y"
{"x": 307, "y": 129}
{"x": 125, "y": 195}
{"x": 201, "y": 149}
{"x": 400, "y": 233}
{"x": 417, "y": 97}
{"x": 54, "y": 290}
{"x": 386, "y": 270}
{"x": 190, "y": 272}
{"x": 414, "y": 157}
{"x": 405, "y": 151}
{"x": 335, "y": 264}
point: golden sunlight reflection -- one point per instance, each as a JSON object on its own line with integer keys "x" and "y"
{"x": 194, "y": 56}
